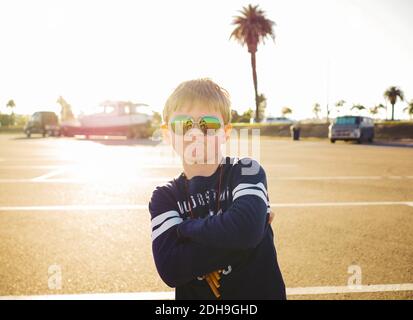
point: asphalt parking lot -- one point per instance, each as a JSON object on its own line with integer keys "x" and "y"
{"x": 77, "y": 209}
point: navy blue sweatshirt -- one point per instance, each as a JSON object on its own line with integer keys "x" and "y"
{"x": 237, "y": 239}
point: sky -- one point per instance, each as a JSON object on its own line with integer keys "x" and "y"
{"x": 91, "y": 51}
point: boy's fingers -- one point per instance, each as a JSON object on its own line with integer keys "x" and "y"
{"x": 214, "y": 280}
{"x": 213, "y": 287}
{"x": 271, "y": 217}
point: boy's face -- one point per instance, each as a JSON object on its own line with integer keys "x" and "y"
{"x": 192, "y": 145}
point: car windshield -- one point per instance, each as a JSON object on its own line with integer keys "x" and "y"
{"x": 347, "y": 120}
{"x": 142, "y": 109}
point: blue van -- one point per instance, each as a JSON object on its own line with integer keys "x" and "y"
{"x": 354, "y": 128}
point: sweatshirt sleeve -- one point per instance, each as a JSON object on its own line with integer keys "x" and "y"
{"x": 244, "y": 223}
{"x": 179, "y": 261}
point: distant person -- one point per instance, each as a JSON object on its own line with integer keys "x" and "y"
{"x": 211, "y": 231}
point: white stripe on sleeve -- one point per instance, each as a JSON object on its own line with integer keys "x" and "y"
{"x": 253, "y": 192}
{"x": 249, "y": 185}
{"x": 163, "y": 216}
{"x": 166, "y": 226}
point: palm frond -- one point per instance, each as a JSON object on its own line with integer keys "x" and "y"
{"x": 252, "y": 27}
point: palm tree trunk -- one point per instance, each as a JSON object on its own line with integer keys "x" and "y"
{"x": 254, "y": 78}
{"x": 392, "y": 112}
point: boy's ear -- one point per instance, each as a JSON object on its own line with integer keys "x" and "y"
{"x": 166, "y": 137}
{"x": 227, "y": 129}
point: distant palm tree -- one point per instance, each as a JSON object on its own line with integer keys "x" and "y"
{"x": 340, "y": 103}
{"x": 286, "y": 110}
{"x": 252, "y": 28}
{"x": 262, "y": 105}
{"x": 11, "y": 104}
{"x": 376, "y": 109}
{"x": 380, "y": 106}
{"x": 316, "y": 109}
{"x": 358, "y": 107}
{"x": 392, "y": 94}
{"x": 409, "y": 109}
{"x": 373, "y": 111}
{"x": 338, "y": 106}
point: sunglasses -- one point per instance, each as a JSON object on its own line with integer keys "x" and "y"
{"x": 181, "y": 124}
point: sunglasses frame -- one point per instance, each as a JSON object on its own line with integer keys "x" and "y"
{"x": 195, "y": 124}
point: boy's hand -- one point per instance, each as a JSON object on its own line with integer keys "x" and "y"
{"x": 213, "y": 282}
{"x": 214, "y": 277}
{"x": 271, "y": 217}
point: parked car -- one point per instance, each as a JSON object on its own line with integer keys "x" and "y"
{"x": 115, "y": 118}
{"x": 43, "y": 122}
{"x": 355, "y": 128}
{"x": 277, "y": 120}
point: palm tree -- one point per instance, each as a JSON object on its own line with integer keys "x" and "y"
{"x": 380, "y": 106}
{"x": 376, "y": 109}
{"x": 316, "y": 109}
{"x": 340, "y": 103}
{"x": 11, "y": 104}
{"x": 286, "y": 110}
{"x": 409, "y": 109}
{"x": 252, "y": 28}
{"x": 262, "y": 105}
{"x": 391, "y": 94}
{"x": 358, "y": 107}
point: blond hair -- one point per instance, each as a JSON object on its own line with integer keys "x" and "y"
{"x": 204, "y": 91}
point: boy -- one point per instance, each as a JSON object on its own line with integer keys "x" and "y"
{"x": 211, "y": 236}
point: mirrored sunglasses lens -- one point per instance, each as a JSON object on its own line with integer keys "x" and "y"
{"x": 209, "y": 123}
{"x": 181, "y": 124}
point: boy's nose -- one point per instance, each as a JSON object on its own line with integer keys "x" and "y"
{"x": 194, "y": 134}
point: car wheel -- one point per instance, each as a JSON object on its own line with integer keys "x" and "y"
{"x": 332, "y": 141}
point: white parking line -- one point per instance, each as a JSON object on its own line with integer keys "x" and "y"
{"x": 46, "y": 178}
{"x": 101, "y": 207}
{"x": 342, "y": 204}
{"x": 53, "y": 173}
{"x": 170, "y": 295}
{"x": 350, "y": 289}
{"x": 341, "y": 178}
{"x": 81, "y": 166}
{"x": 104, "y": 207}
{"x": 30, "y": 167}
{"x": 84, "y": 181}
{"x": 329, "y": 178}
